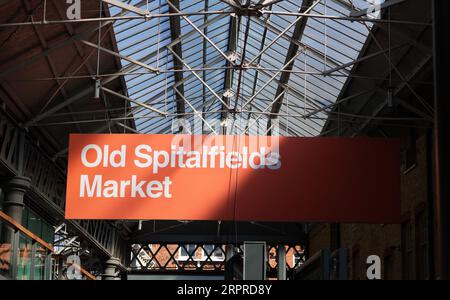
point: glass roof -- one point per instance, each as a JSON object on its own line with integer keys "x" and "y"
{"x": 306, "y": 95}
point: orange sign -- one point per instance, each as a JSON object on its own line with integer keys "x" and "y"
{"x": 246, "y": 178}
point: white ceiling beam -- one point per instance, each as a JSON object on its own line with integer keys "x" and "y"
{"x": 128, "y": 7}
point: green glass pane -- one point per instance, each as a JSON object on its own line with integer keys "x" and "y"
{"x": 34, "y": 223}
{"x": 25, "y": 217}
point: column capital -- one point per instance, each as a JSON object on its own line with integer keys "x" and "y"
{"x": 15, "y": 190}
{"x": 113, "y": 262}
{"x": 19, "y": 183}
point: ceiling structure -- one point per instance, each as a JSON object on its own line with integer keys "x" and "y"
{"x": 221, "y": 66}
{"x": 40, "y": 86}
{"x": 398, "y": 95}
{"x": 239, "y": 65}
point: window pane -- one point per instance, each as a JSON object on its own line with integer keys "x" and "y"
{"x": 34, "y": 223}
{"x": 218, "y": 253}
{"x": 187, "y": 250}
{"x": 214, "y": 252}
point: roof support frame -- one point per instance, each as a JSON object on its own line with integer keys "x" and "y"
{"x": 397, "y": 90}
{"x": 19, "y": 64}
{"x": 298, "y": 22}
{"x": 229, "y": 73}
{"x": 288, "y": 64}
{"x": 400, "y": 75}
{"x": 127, "y": 58}
{"x": 176, "y": 9}
{"x": 275, "y": 30}
{"x": 198, "y": 77}
{"x": 177, "y": 54}
{"x": 144, "y": 105}
{"x": 197, "y": 112}
{"x": 307, "y": 6}
{"x": 128, "y": 7}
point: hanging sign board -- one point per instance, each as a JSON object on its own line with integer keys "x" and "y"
{"x": 246, "y": 178}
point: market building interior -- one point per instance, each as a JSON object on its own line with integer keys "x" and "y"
{"x": 312, "y": 68}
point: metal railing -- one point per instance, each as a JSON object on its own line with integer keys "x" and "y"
{"x": 25, "y": 256}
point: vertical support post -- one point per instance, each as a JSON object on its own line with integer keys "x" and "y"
{"x": 60, "y": 268}
{"x": 15, "y": 254}
{"x": 255, "y": 260}
{"x": 13, "y": 206}
{"x": 281, "y": 262}
{"x": 441, "y": 48}
{"x": 229, "y": 268}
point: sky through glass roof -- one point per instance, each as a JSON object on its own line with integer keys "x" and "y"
{"x": 209, "y": 79}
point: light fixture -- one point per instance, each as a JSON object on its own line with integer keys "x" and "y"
{"x": 224, "y": 122}
{"x": 228, "y": 93}
{"x": 232, "y": 56}
{"x": 97, "y": 89}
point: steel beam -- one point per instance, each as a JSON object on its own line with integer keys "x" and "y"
{"x": 233, "y": 3}
{"x": 81, "y": 94}
{"x": 196, "y": 112}
{"x": 20, "y": 63}
{"x": 128, "y": 7}
{"x": 361, "y": 59}
{"x": 288, "y": 64}
{"x": 176, "y": 9}
{"x": 50, "y": 62}
{"x": 229, "y": 73}
{"x": 272, "y": 28}
{"x": 198, "y": 77}
{"x": 306, "y": 6}
{"x": 144, "y": 105}
{"x": 262, "y": 11}
{"x": 177, "y": 56}
{"x": 255, "y": 81}
{"x": 127, "y": 58}
{"x": 398, "y": 89}
{"x": 405, "y": 81}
